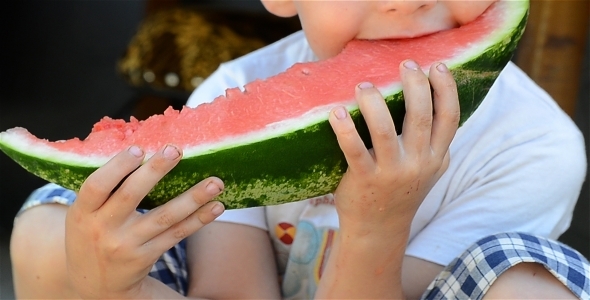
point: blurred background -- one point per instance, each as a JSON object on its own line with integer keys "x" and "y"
{"x": 66, "y": 64}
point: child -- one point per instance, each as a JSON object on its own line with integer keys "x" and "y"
{"x": 402, "y": 212}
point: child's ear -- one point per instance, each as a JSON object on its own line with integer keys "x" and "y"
{"x": 281, "y": 8}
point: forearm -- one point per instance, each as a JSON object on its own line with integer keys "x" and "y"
{"x": 150, "y": 288}
{"x": 155, "y": 289}
{"x": 364, "y": 267}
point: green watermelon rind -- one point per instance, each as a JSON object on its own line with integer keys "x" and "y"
{"x": 297, "y": 165}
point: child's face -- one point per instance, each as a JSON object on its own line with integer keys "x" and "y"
{"x": 329, "y": 24}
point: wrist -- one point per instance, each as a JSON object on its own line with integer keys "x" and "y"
{"x": 378, "y": 259}
{"x": 151, "y": 288}
{"x": 377, "y": 245}
{"x": 393, "y": 231}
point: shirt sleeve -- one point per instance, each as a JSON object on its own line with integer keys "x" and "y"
{"x": 536, "y": 195}
{"x": 520, "y": 170}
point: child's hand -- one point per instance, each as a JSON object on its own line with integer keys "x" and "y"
{"x": 110, "y": 247}
{"x": 383, "y": 187}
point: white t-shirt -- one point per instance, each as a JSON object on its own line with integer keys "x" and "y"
{"x": 516, "y": 165}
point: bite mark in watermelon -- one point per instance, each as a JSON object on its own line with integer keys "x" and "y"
{"x": 271, "y": 143}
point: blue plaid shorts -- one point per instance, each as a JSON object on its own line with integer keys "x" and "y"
{"x": 469, "y": 276}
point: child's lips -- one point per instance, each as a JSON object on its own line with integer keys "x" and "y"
{"x": 426, "y": 29}
{"x": 413, "y": 35}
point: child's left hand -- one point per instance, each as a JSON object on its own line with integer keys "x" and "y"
{"x": 111, "y": 247}
{"x": 383, "y": 187}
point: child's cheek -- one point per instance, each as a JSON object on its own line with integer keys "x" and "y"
{"x": 467, "y": 11}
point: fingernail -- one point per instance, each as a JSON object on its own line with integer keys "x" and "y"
{"x": 217, "y": 209}
{"x": 171, "y": 152}
{"x": 365, "y": 85}
{"x": 135, "y": 151}
{"x": 442, "y": 68}
{"x": 213, "y": 188}
{"x": 340, "y": 113}
{"x": 410, "y": 64}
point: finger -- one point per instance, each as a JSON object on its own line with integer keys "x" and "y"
{"x": 125, "y": 199}
{"x": 176, "y": 210}
{"x": 418, "y": 120}
{"x": 354, "y": 149}
{"x": 100, "y": 184}
{"x": 181, "y": 230}
{"x": 446, "y": 108}
{"x": 379, "y": 121}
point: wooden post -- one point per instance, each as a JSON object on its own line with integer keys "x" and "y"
{"x": 553, "y": 46}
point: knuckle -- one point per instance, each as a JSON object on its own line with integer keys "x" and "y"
{"x": 453, "y": 116}
{"x": 158, "y": 165}
{"x": 198, "y": 196}
{"x": 443, "y": 166}
{"x": 416, "y": 164}
{"x": 435, "y": 168}
{"x": 413, "y": 171}
{"x": 144, "y": 260}
{"x": 204, "y": 217}
{"x": 165, "y": 219}
{"x": 422, "y": 120}
{"x": 385, "y": 131}
{"x": 355, "y": 153}
{"x": 180, "y": 232}
{"x": 124, "y": 195}
{"x": 113, "y": 246}
{"x": 444, "y": 161}
{"x": 449, "y": 116}
{"x": 346, "y": 131}
{"x": 91, "y": 187}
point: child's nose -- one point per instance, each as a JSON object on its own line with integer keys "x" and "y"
{"x": 407, "y": 6}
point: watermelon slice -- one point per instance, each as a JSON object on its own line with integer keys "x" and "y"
{"x": 272, "y": 142}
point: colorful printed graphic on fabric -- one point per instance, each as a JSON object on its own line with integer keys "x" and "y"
{"x": 307, "y": 260}
{"x": 285, "y": 232}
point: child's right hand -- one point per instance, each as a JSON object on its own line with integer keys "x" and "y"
{"x": 110, "y": 247}
{"x": 383, "y": 187}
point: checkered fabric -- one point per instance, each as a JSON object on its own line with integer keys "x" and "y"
{"x": 171, "y": 268}
{"x": 467, "y": 277}
{"x": 471, "y": 275}
{"x": 49, "y": 193}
